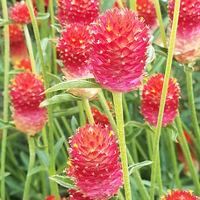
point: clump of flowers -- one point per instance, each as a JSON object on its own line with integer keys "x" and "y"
{"x": 151, "y": 96}
{"x": 187, "y": 46}
{"x": 25, "y": 93}
{"x": 120, "y": 50}
{"x": 77, "y": 11}
{"x": 76, "y": 195}
{"x": 146, "y": 9}
{"x": 180, "y": 195}
{"x": 94, "y": 162}
{"x": 181, "y": 156}
{"x": 20, "y": 13}
{"x": 25, "y": 64}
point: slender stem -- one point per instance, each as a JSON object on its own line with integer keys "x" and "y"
{"x": 67, "y": 126}
{"x": 31, "y": 144}
{"x": 149, "y": 144}
{"x": 188, "y": 72}
{"x": 122, "y": 144}
{"x": 88, "y": 110}
{"x": 53, "y": 36}
{"x": 120, "y": 3}
{"x": 5, "y": 103}
{"x": 133, "y": 5}
{"x": 159, "y": 16}
{"x": 173, "y": 159}
{"x": 52, "y": 171}
{"x": 159, "y": 176}
{"x": 81, "y": 113}
{"x": 163, "y": 97}
{"x": 30, "y": 49}
{"x": 186, "y": 152}
{"x": 143, "y": 192}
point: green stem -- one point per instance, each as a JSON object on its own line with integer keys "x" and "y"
{"x": 81, "y": 113}
{"x": 67, "y": 126}
{"x": 6, "y": 99}
{"x": 143, "y": 192}
{"x": 133, "y": 5}
{"x": 122, "y": 144}
{"x": 186, "y": 152}
{"x": 53, "y": 36}
{"x": 30, "y": 49}
{"x": 149, "y": 143}
{"x": 188, "y": 72}
{"x": 52, "y": 171}
{"x": 120, "y": 2}
{"x": 163, "y": 97}
{"x": 159, "y": 176}
{"x": 173, "y": 159}
{"x": 31, "y": 144}
{"x": 159, "y": 16}
{"x": 88, "y": 110}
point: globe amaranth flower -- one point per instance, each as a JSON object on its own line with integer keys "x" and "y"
{"x": 146, "y": 9}
{"x": 25, "y": 64}
{"x": 120, "y": 50}
{"x": 180, "y": 195}
{"x": 76, "y": 195}
{"x": 94, "y": 162}
{"x": 151, "y": 96}
{"x": 77, "y": 11}
{"x": 51, "y": 197}
{"x": 20, "y": 13}
{"x": 25, "y": 94}
{"x": 75, "y": 49}
{"x": 15, "y": 33}
{"x": 187, "y": 46}
{"x": 181, "y": 156}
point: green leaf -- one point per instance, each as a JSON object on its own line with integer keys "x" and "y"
{"x": 137, "y": 166}
{"x": 172, "y": 128}
{"x": 54, "y": 41}
{"x": 139, "y": 125}
{"x": 78, "y": 83}
{"x": 59, "y": 99}
{"x": 58, "y": 146}
{"x": 54, "y": 77}
{"x": 5, "y": 174}
{"x": 43, "y": 16}
{"x": 17, "y": 71}
{"x": 74, "y": 124}
{"x": 5, "y": 22}
{"x": 57, "y": 27}
{"x": 134, "y": 134}
{"x": 43, "y": 157}
{"x": 66, "y": 112}
{"x": 37, "y": 169}
{"x": 6, "y": 125}
{"x": 64, "y": 181}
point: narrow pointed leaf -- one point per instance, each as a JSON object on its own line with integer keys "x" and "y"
{"x": 139, "y": 125}
{"x": 6, "y": 125}
{"x": 64, "y": 181}
{"x": 43, "y": 16}
{"x": 58, "y": 146}
{"x": 37, "y": 169}
{"x": 137, "y": 166}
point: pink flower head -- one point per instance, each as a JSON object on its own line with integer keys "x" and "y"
{"x": 25, "y": 64}
{"x": 20, "y": 13}
{"x": 76, "y": 195}
{"x": 94, "y": 162}
{"x": 51, "y": 197}
{"x": 187, "y": 46}
{"x": 151, "y": 96}
{"x": 77, "y": 11}
{"x": 120, "y": 50}
{"x": 180, "y": 195}
{"x": 75, "y": 49}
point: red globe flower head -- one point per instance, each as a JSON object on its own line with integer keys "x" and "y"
{"x": 29, "y": 120}
{"x": 25, "y": 91}
{"x": 187, "y": 46}
{"x": 25, "y": 64}
{"x": 181, "y": 156}
{"x": 76, "y": 195}
{"x": 15, "y": 33}
{"x": 18, "y": 52}
{"x": 94, "y": 162}
{"x": 51, "y": 197}
{"x": 180, "y": 195}
{"x": 120, "y": 50}
{"x": 146, "y": 9}
{"x": 151, "y": 96}
{"x": 20, "y": 13}
{"x": 75, "y": 49}
{"x": 77, "y": 11}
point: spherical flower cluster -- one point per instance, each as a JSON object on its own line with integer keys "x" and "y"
{"x": 25, "y": 64}
{"x": 94, "y": 162}
{"x": 77, "y": 11}
{"x": 76, "y": 195}
{"x": 25, "y": 94}
{"x": 187, "y": 46}
{"x": 120, "y": 50}
{"x": 75, "y": 49}
{"x": 151, "y": 96}
{"x": 146, "y": 9}
{"x": 180, "y": 195}
{"x": 20, "y": 13}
